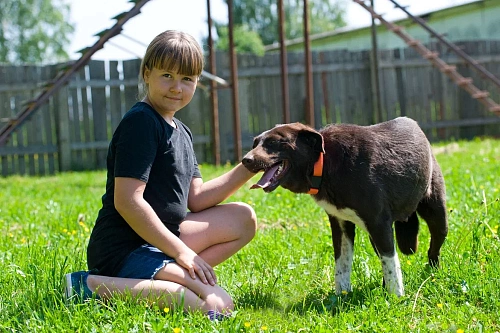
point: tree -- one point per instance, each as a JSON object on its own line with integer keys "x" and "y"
{"x": 261, "y": 17}
{"x": 245, "y": 41}
{"x": 34, "y": 31}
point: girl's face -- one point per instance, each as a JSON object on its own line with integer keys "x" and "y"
{"x": 168, "y": 91}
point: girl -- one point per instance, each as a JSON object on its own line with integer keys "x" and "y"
{"x": 144, "y": 240}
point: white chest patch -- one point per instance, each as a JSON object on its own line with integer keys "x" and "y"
{"x": 345, "y": 214}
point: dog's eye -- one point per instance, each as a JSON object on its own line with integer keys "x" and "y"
{"x": 274, "y": 143}
{"x": 255, "y": 142}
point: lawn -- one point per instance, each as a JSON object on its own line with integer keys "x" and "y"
{"x": 283, "y": 281}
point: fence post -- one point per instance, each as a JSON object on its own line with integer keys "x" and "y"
{"x": 63, "y": 137}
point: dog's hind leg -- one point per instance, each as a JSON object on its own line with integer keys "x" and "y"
{"x": 382, "y": 240}
{"x": 343, "y": 246}
{"x": 407, "y": 234}
{"x": 433, "y": 210}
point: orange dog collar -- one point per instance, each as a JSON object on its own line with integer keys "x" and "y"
{"x": 317, "y": 174}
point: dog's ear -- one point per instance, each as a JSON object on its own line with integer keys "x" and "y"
{"x": 313, "y": 139}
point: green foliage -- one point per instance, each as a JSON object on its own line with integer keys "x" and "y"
{"x": 245, "y": 41}
{"x": 261, "y": 17}
{"x": 34, "y": 31}
{"x": 283, "y": 281}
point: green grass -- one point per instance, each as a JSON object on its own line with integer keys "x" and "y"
{"x": 282, "y": 281}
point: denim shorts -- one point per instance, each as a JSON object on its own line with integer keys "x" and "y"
{"x": 144, "y": 263}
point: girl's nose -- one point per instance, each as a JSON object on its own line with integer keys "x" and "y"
{"x": 176, "y": 86}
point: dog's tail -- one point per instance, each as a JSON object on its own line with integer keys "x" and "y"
{"x": 407, "y": 234}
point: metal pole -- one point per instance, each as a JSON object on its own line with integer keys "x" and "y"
{"x": 213, "y": 92}
{"x": 374, "y": 69}
{"x": 284, "y": 63}
{"x": 234, "y": 81}
{"x": 308, "y": 69}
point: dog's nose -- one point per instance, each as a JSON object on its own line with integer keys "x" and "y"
{"x": 247, "y": 160}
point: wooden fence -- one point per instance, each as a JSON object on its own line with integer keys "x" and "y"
{"x": 73, "y": 130}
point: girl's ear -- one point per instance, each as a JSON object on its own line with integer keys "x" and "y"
{"x": 146, "y": 74}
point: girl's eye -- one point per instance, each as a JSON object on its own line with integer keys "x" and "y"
{"x": 167, "y": 75}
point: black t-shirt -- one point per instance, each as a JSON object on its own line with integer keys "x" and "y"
{"x": 145, "y": 147}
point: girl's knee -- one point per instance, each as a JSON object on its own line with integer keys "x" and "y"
{"x": 247, "y": 219}
{"x": 222, "y": 303}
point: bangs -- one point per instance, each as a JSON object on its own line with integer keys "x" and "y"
{"x": 180, "y": 59}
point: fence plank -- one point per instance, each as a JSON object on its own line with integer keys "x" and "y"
{"x": 131, "y": 92}
{"x": 99, "y": 110}
{"x": 5, "y": 115}
{"x": 63, "y": 129}
{"x": 76, "y": 114}
{"x": 115, "y": 102}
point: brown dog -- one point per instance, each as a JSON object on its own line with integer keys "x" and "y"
{"x": 369, "y": 176}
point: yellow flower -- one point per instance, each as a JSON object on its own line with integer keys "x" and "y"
{"x": 460, "y": 330}
{"x": 247, "y": 324}
{"x": 166, "y": 310}
{"x": 344, "y": 292}
{"x": 177, "y": 330}
{"x": 408, "y": 262}
{"x": 263, "y": 328}
{"x": 439, "y": 305}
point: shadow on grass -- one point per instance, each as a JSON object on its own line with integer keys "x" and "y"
{"x": 257, "y": 298}
{"x": 327, "y": 301}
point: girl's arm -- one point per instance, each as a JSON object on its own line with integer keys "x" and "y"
{"x": 204, "y": 195}
{"x": 132, "y": 206}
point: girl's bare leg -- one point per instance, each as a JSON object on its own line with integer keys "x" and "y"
{"x": 219, "y": 232}
{"x": 166, "y": 290}
{"x": 215, "y": 234}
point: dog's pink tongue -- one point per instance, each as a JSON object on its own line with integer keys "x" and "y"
{"x": 265, "y": 180}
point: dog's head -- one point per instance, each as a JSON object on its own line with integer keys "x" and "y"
{"x": 286, "y": 154}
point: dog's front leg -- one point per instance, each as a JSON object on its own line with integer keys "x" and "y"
{"x": 343, "y": 247}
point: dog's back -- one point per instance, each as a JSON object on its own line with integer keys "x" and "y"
{"x": 392, "y": 161}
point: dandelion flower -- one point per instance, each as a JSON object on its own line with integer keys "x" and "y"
{"x": 460, "y": 330}
{"x": 247, "y": 324}
{"x": 408, "y": 262}
{"x": 177, "y": 330}
{"x": 263, "y": 328}
{"x": 439, "y": 305}
{"x": 344, "y": 292}
{"x": 166, "y": 310}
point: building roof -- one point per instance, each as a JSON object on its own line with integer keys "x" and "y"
{"x": 349, "y": 30}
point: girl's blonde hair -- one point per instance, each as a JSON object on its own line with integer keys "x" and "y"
{"x": 174, "y": 51}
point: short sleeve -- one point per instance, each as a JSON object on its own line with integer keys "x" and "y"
{"x": 136, "y": 146}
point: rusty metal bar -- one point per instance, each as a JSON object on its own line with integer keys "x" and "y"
{"x": 308, "y": 69}
{"x": 65, "y": 75}
{"x": 284, "y": 63}
{"x": 214, "y": 99}
{"x": 433, "y": 57}
{"x": 374, "y": 71}
{"x": 234, "y": 81}
{"x": 475, "y": 65}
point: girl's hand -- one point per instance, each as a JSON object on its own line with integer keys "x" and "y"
{"x": 195, "y": 265}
